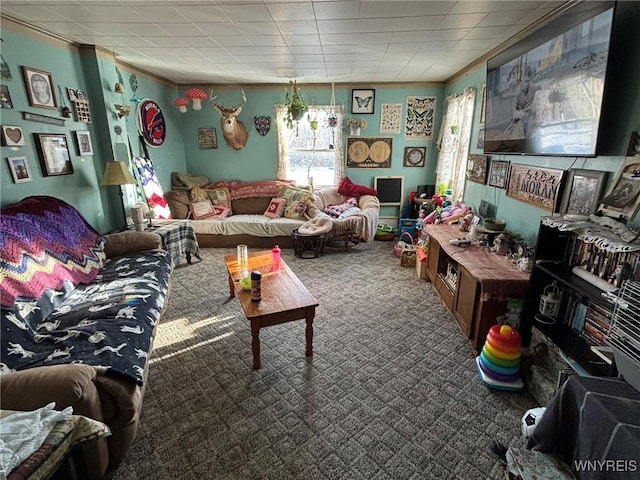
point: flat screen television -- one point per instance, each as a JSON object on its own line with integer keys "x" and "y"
{"x": 544, "y": 93}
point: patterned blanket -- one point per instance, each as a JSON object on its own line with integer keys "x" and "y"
{"x": 108, "y": 324}
{"x": 43, "y": 243}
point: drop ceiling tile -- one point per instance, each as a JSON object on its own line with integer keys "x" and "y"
{"x": 508, "y": 17}
{"x": 250, "y": 12}
{"x": 336, "y": 26}
{"x": 291, "y": 11}
{"x": 156, "y": 14}
{"x": 258, "y": 28}
{"x": 203, "y": 13}
{"x": 415, "y": 9}
{"x": 462, "y": 21}
{"x": 33, "y": 13}
{"x": 379, "y": 25}
{"x": 219, "y": 29}
{"x": 297, "y": 27}
{"x": 185, "y": 29}
{"x": 483, "y": 33}
{"x": 302, "y": 50}
{"x": 144, "y": 30}
{"x": 295, "y": 41}
{"x": 382, "y": 9}
{"x": 336, "y": 10}
{"x": 266, "y": 40}
{"x": 233, "y": 41}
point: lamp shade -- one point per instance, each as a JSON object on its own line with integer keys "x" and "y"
{"x": 117, "y": 173}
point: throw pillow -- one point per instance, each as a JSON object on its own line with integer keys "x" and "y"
{"x": 220, "y": 197}
{"x": 198, "y": 194}
{"x": 297, "y": 201}
{"x": 275, "y": 208}
{"x": 201, "y": 209}
{"x": 349, "y": 189}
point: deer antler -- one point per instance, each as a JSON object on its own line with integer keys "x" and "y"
{"x": 212, "y": 97}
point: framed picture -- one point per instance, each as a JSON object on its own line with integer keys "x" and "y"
{"x": 54, "y": 154}
{"x": 369, "y": 152}
{"x": 19, "y": 169}
{"x": 623, "y": 198}
{"x": 12, "y": 136}
{"x": 414, "y": 156}
{"x": 40, "y": 88}
{"x": 84, "y": 142}
{"x": 537, "y": 186}
{"x": 207, "y": 138}
{"x": 362, "y": 101}
{"x": 477, "y": 169}
{"x": 498, "y": 173}
{"x": 583, "y": 191}
{"x": 5, "y": 97}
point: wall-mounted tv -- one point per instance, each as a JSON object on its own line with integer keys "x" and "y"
{"x": 544, "y": 93}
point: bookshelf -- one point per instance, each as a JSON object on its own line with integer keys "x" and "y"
{"x": 588, "y": 262}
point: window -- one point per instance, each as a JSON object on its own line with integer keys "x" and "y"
{"x": 455, "y": 136}
{"x": 307, "y": 153}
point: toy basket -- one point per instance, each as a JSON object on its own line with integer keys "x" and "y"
{"x": 405, "y": 244}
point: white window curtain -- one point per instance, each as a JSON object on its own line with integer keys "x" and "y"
{"x": 303, "y": 153}
{"x": 453, "y": 141}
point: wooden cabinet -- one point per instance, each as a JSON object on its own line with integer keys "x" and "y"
{"x": 473, "y": 282}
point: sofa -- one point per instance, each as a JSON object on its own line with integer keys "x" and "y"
{"x": 79, "y": 313}
{"x": 263, "y": 213}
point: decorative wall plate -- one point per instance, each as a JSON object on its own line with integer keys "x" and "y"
{"x": 263, "y": 124}
{"x": 151, "y": 123}
{"x": 414, "y": 156}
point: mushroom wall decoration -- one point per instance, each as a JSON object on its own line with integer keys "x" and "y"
{"x": 196, "y": 95}
{"x": 181, "y": 103}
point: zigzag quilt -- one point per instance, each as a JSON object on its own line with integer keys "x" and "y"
{"x": 44, "y": 242}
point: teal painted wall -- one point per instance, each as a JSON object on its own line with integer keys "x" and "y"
{"x": 622, "y": 114}
{"x": 259, "y": 159}
{"x": 94, "y": 73}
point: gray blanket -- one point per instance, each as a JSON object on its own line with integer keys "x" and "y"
{"x": 594, "y": 424}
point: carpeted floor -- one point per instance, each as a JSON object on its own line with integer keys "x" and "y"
{"x": 391, "y": 391}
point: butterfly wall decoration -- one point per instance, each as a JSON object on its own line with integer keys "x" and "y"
{"x": 362, "y": 101}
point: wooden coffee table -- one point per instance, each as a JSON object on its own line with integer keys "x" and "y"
{"x": 284, "y": 298}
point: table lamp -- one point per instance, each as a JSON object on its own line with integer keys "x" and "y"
{"x": 117, "y": 173}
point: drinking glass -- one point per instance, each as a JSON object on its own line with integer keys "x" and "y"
{"x": 242, "y": 255}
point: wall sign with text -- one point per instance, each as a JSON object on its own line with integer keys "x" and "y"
{"x": 538, "y": 186}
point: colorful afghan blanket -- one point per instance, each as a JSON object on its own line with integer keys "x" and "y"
{"x": 44, "y": 242}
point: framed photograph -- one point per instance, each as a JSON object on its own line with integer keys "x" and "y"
{"x": 40, "y": 88}
{"x": 414, "y": 156}
{"x": 498, "y": 173}
{"x": 84, "y": 142}
{"x": 362, "y": 101}
{"x": 5, "y": 97}
{"x": 207, "y": 138}
{"x": 622, "y": 201}
{"x": 19, "y": 169}
{"x": 536, "y": 186}
{"x": 12, "y": 136}
{"x": 477, "y": 169}
{"x": 54, "y": 154}
{"x": 583, "y": 191}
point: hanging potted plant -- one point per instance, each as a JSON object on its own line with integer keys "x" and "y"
{"x": 294, "y": 103}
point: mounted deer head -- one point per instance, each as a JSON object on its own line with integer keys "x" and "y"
{"x": 233, "y": 130}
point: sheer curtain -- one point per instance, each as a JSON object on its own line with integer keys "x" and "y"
{"x": 326, "y": 136}
{"x": 453, "y": 141}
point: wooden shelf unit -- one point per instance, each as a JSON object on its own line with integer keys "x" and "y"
{"x": 555, "y": 259}
{"x": 473, "y": 282}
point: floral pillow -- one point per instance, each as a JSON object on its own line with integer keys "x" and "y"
{"x": 297, "y": 201}
{"x": 275, "y": 208}
{"x": 219, "y": 197}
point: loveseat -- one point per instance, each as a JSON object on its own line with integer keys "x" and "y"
{"x": 79, "y": 312}
{"x": 263, "y": 213}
